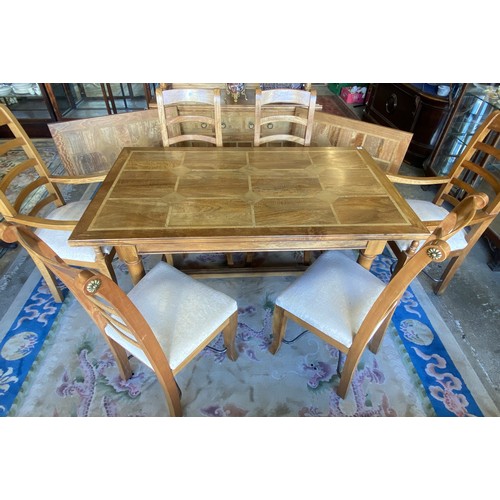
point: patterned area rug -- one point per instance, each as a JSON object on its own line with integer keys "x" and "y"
{"x": 74, "y": 373}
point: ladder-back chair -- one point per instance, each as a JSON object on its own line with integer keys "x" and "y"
{"x": 468, "y": 175}
{"x": 299, "y": 128}
{"x": 177, "y": 127}
{"x": 26, "y": 194}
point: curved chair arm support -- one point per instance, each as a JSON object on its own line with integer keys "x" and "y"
{"x": 78, "y": 179}
{"x": 408, "y": 179}
{"x": 40, "y": 222}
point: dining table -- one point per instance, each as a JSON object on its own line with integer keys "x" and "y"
{"x": 245, "y": 199}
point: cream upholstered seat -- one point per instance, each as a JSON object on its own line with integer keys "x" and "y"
{"x": 164, "y": 321}
{"x": 31, "y": 205}
{"x": 180, "y": 311}
{"x": 58, "y": 240}
{"x": 352, "y": 290}
{"x": 347, "y": 306}
{"x": 428, "y": 211}
{"x": 468, "y": 175}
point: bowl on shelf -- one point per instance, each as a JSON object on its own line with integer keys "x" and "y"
{"x": 22, "y": 88}
{"x": 5, "y": 90}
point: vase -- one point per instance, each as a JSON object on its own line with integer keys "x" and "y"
{"x": 236, "y": 90}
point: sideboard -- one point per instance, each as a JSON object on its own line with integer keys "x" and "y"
{"x": 415, "y": 108}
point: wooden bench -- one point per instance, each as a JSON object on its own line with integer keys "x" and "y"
{"x": 93, "y": 144}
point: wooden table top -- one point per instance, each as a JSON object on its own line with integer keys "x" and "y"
{"x": 195, "y": 199}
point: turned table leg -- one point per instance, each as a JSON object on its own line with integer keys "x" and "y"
{"x": 129, "y": 255}
{"x": 373, "y": 248}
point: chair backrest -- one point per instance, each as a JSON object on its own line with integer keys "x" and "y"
{"x": 175, "y": 124}
{"x": 435, "y": 249}
{"x": 104, "y": 301}
{"x": 469, "y": 174}
{"x": 36, "y": 190}
{"x": 299, "y": 128}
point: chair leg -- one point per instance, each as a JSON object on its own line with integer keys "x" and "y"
{"x": 348, "y": 371}
{"x": 104, "y": 264}
{"x": 229, "y": 259}
{"x": 121, "y": 358}
{"x": 168, "y": 258}
{"x": 50, "y": 281}
{"x": 449, "y": 272}
{"x": 307, "y": 257}
{"x": 379, "y": 335}
{"x": 249, "y": 258}
{"x": 279, "y": 327}
{"x": 172, "y": 393}
{"x": 229, "y": 333}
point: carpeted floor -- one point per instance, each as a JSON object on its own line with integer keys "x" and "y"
{"x": 414, "y": 373}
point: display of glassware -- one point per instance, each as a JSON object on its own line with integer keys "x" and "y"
{"x": 5, "y": 89}
{"x": 21, "y": 89}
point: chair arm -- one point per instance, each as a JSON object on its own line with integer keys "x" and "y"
{"x": 408, "y": 179}
{"x": 41, "y": 223}
{"x": 432, "y": 224}
{"x": 78, "y": 179}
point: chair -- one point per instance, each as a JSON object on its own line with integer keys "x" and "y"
{"x": 30, "y": 205}
{"x": 172, "y": 123}
{"x": 349, "y": 307}
{"x": 468, "y": 175}
{"x": 299, "y": 128}
{"x": 164, "y": 321}
{"x": 175, "y": 126}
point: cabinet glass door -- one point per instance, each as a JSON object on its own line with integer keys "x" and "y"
{"x": 28, "y": 101}
{"x": 86, "y": 100}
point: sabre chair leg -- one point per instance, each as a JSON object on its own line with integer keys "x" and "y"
{"x": 172, "y": 394}
{"x": 109, "y": 271}
{"x": 229, "y": 333}
{"x": 104, "y": 264}
{"x": 279, "y": 328}
{"x": 121, "y": 357}
{"x": 348, "y": 371}
{"x": 50, "y": 280}
{"x": 448, "y": 273}
{"x": 377, "y": 338}
{"x": 168, "y": 258}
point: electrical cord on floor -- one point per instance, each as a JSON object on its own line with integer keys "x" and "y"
{"x": 215, "y": 349}
{"x": 296, "y": 338}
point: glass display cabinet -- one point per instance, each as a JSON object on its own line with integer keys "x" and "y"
{"x": 478, "y": 101}
{"x": 37, "y": 104}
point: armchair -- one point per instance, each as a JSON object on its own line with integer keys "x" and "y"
{"x": 464, "y": 178}
{"x": 41, "y": 206}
